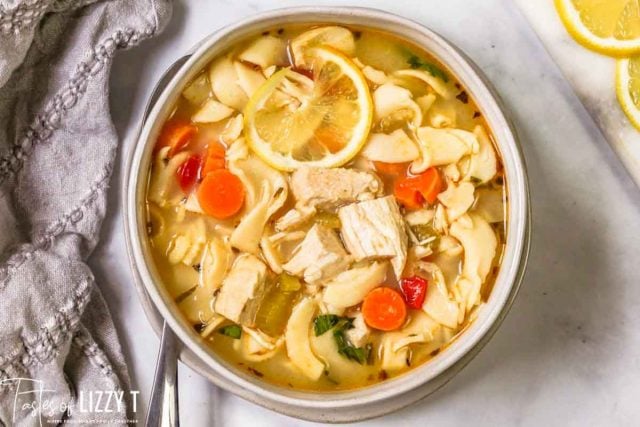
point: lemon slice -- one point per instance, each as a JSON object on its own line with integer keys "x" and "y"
{"x": 628, "y": 88}
{"x": 315, "y": 118}
{"x": 611, "y": 27}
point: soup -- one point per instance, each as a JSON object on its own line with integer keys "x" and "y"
{"x": 326, "y": 206}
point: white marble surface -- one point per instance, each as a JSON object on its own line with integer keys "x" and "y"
{"x": 567, "y": 354}
{"x": 592, "y": 77}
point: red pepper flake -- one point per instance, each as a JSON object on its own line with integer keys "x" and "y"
{"x": 255, "y": 372}
{"x": 463, "y": 97}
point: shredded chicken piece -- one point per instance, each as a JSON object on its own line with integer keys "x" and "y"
{"x": 375, "y": 229}
{"x": 329, "y": 188}
{"x": 242, "y": 290}
{"x": 320, "y": 256}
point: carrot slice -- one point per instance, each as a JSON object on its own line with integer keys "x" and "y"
{"x": 214, "y": 159}
{"x": 175, "y": 134}
{"x": 429, "y": 184}
{"x": 221, "y": 194}
{"x": 406, "y": 194}
{"x": 392, "y": 169}
{"x": 384, "y": 309}
{"x": 411, "y": 191}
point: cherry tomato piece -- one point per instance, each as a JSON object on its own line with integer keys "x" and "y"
{"x": 415, "y": 290}
{"x": 188, "y": 173}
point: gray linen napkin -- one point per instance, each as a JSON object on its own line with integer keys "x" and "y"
{"x": 57, "y": 150}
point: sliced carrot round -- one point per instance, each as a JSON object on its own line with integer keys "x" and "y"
{"x": 429, "y": 184}
{"x": 406, "y": 194}
{"x": 214, "y": 158}
{"x": 384, "y": 309}
{"x": 221, "y": 194}
{"x": 175, "y": 134}
{"x": 412, "y": 191}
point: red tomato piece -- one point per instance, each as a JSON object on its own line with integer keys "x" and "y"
{"x": 188, "y": 172}
{"x": 412, "y": 191}
{"x": 406, "y": 193}
{"x": 415, "y": 290}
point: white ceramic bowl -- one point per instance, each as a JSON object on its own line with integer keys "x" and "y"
{"x": 397, "y": 392}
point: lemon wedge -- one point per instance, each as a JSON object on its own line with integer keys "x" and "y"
{"x": 320, "y": 117}
{"x": 611, "y": 27}
{"x": 628, "y": 88}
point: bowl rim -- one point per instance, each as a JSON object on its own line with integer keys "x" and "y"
{"x": 517, "y": 244}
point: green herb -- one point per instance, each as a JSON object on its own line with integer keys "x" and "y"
{"x": 417, "y": 63}
{"x": 324, "y": 322}
{"x": 345, "y": 348}
{"x": 232, "y": 331}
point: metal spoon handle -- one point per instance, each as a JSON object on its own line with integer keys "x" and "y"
{"x": 163, "y": 406}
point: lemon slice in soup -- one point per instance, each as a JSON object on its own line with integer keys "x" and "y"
{"x": 317, "y": 117}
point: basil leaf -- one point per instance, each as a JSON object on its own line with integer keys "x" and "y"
{"x": 324, "y": 322}
{"x": 345, "y": 348}
{"x": 417, "y": 63}
{"x": 233, "y": 331}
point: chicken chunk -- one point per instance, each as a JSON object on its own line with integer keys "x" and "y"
{"x": 329, "y": 188}
{"x": 375, "y": 229}
{"x": 242, "y": 290}
{"x": 319, "y": 257}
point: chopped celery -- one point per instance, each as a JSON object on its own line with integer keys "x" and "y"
{"x": 328, "y": 219}
{"x": 425, "y": 232}
{"x": 288, "y": 283}
{"x": 275, "y": 308}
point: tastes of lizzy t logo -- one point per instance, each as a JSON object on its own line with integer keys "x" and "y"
{"x": 31, "y": 398}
